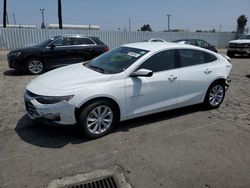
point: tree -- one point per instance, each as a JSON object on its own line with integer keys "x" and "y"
{"x": 4, "y": 12}
{"x": 60, "y": 14}
{"x": 146, "y": 27}
{"x": 241, "y": 24}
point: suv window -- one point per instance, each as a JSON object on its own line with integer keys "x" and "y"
{"x": 161, "y": 61}
{"x": 201, "y": 43}
{"x": 191, "y": 42}
{"x": 156, "y": 40}
{"x": 191, "y": 57}
{"x": 82, "y": 41}
{"x": 63, "y": 41}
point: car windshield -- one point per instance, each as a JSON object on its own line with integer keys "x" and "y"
{"x": 116, "y": 60}
{"x": 47, "y": 42}
{"x": 245, "y": 37}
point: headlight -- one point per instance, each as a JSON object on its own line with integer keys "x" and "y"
{"x": 15, "y": 54}
{"x": 53, "y": 100}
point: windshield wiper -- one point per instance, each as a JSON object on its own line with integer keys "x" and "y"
{"x": 98, "y": 69}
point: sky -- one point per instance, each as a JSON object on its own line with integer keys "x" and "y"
{"x": 190, "y": 15}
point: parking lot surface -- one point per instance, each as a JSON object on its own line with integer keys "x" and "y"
{"x": 188, "y": 147}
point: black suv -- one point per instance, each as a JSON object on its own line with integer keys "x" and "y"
{"x": 56, "y": 52}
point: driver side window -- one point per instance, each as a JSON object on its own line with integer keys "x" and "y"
{"x": 161, "y": 61}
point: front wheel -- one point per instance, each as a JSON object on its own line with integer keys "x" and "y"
{"x": 35, "y": 66}
{"x": 98, "y": 118}
{"x": 215, "y": 95}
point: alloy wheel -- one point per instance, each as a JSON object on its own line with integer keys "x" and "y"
{"x": 99, "y": 119}
{"x": 35, "y": 66}
{"x": 216, "y": 95}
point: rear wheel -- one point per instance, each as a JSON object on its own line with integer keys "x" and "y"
{"x": 98, "y": 118}
{"x": 35, "y": 66}
{"x": 215, "y": 95}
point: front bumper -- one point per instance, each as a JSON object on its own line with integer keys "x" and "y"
{"x": 227, "y": 82}
{"x": 59, "y": 113}
{"x": 14, "y": 62}
{"x": 239, "y": 50}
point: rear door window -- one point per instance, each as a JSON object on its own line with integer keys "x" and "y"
{"x": 191, "y": 57}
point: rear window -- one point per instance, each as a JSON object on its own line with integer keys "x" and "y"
{"x": 82, "y": 41}
{"x": 97, "y": 40}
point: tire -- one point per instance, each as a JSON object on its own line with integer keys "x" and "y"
{"x": 35, "y": 66}
{"x": 215, "y": 95}
{"x": 94, "y": 123}
{"x": 230, "y": 54}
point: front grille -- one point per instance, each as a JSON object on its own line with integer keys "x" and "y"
{"x": 236, "y": 45}
{"x": 107, "y": 182}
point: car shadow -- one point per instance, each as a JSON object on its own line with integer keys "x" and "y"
{"x": 58, "y": 136}
{"x": 241, "y": 57}
{"x": 248, "y": 75}
{"x": 15, "y": 73}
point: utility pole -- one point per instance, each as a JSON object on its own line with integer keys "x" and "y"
{"x": 7, "y": 18}
{"x": 220, "y": 28}
{"x": 42, "y": 11}
{"x": 168, "y": 15}
{"x": 14, "y": 18}
{"x": 4, "y": 12}
{"x": 129, "y": 24}
{"x": 60, "y": 14}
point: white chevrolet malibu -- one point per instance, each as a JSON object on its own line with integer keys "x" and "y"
{"x": 127, "y": 82}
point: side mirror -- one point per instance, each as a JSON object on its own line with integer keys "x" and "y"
{"x": 142, "y": 73}
{"x": 52, "y": 46}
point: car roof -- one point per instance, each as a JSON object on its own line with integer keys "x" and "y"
{"x": 159, "y": 46}
{"x": 77, "y": 35}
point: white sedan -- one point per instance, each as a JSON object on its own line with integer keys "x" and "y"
{"x": 127, "y": 82}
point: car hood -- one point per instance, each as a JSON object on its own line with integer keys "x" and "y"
{"x": 240, "y": 41}
{"x": 27, "y": 48}
{"x": 66, "y": 79}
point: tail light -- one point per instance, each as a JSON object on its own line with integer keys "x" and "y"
{"x": 106, "y": 49}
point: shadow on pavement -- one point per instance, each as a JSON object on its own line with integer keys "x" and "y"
{"x": 15, "y": 73}
{"x": 49, "y": 136}
{"x": 248, "y": 76}
{"x": 241, "y": 57}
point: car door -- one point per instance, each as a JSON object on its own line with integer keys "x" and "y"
{"x": 82, "y": 49}
{"x": 145, "y": 95}
{"x": 196, "y": 74}
{"x": 57, "y": 53}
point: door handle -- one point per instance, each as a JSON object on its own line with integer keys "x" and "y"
{"x": 207, "y": 71}
{"x": 172, "y": 77}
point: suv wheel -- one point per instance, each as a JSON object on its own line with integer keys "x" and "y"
{"x": 98, "y": 118}
{"x": 215, "y": 95}
{"x": 35, "y": 66}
